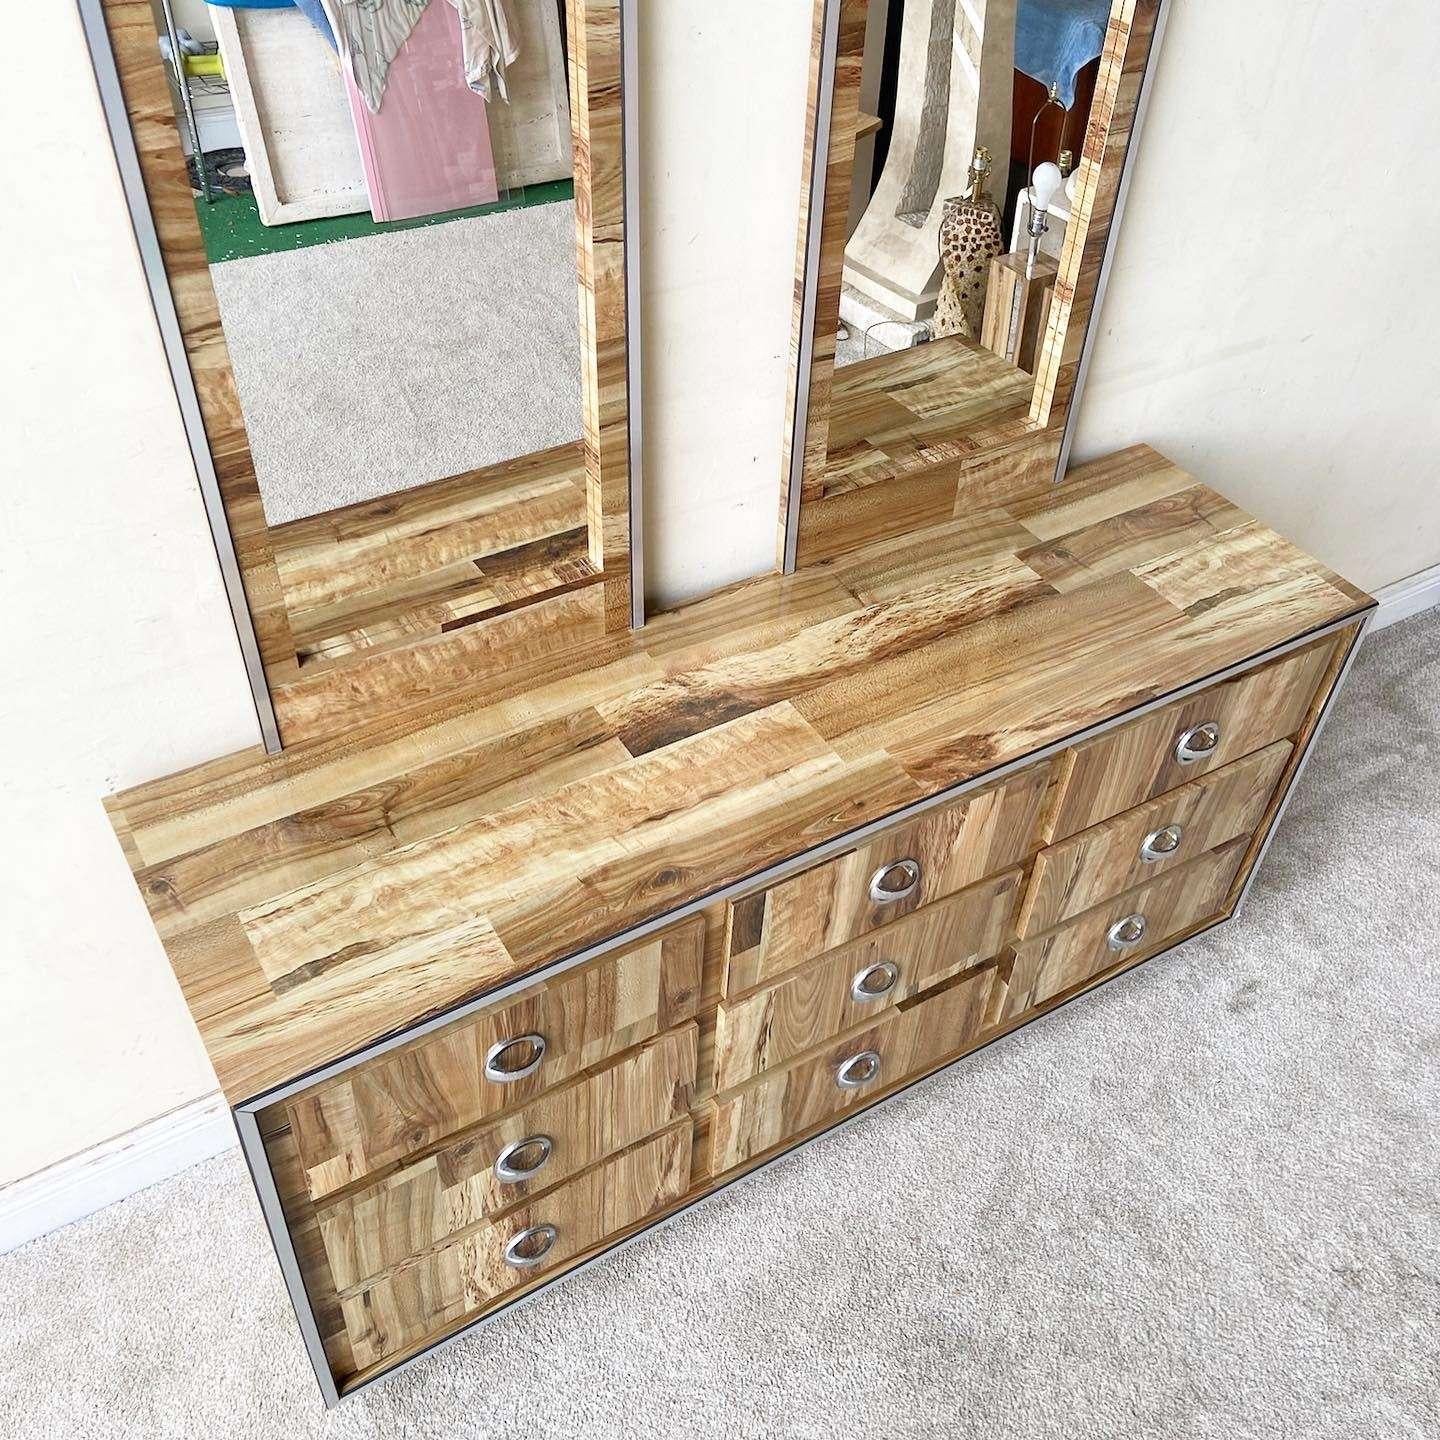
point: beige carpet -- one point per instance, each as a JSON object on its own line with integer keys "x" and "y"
{"x": 377, "y": 364}
{"x": 1203, "y": 1202}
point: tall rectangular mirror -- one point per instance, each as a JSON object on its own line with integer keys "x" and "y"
{"x": 965, "y": 171}
{"x": 366, "y": 224}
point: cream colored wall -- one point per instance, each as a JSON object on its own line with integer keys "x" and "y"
{"x": 723, "y": 121}
{"x": 1287, "y": 355}
{"x": 1272, "y": 316}
{"x": 119, "y": 656}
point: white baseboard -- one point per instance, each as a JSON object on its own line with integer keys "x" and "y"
{"x": 95, "y": 1178}
{"x": 1407, "y": 597}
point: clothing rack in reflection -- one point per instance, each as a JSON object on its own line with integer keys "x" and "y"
{"x": 174, "y": 56}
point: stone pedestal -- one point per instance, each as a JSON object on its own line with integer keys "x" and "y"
{"x": 957, "y": 72}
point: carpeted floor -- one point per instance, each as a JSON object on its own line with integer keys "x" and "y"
{"x": 469, "y": 344}
{"x": 1202, "y": 1202}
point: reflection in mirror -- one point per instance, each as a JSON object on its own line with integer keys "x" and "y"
{"x": 963, "y": 177}
{"x": 972, "y": 119}
{"x": 403, "y": 310}
{"x": 382, "y": 197}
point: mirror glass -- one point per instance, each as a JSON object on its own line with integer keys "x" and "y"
{"x": 973, "y": 116}
{"x": 385, "y": 192}
{"x": 961, "y": 201}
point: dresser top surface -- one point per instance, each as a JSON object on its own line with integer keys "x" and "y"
{"x": 315, "y": 901}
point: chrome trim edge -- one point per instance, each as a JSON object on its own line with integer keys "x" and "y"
{"x": 634, "y": 368}
{"x": 147, "y": 241}
{"x": 1117, "y": 216}
{"x": 1366, "y": 623}
{"x": 815, "y": 223}
{"x": 258, "y": 1163}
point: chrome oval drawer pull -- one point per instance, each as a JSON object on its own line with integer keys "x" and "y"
{"x": 509, "y": 1060}
{"x": 1197, "y": 743}
{"x": 1161, "y": 844}
{"x": 1127, "y": 933}
{"x": 531, "y": 1246}
{"x": 898, "y": 880}
{"x": 875, "y": 982}
{"x": 858, "y": 1070}
{"x": 523, "y": 1159}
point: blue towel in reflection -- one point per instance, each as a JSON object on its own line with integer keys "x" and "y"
{"x": 1056, "y": 39}
{"x": 313, "y": 11}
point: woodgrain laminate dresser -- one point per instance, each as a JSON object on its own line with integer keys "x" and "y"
{"x": 539, "y": 929}
{"x": 495, "y": 983}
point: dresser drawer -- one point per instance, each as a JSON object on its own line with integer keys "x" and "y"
{"x": 890, "y": 876}
{"x": 1144, "y": 843}
{"x": 781, "y": 1106}
{"x": 412, "y": 1098}
{"x": 1134, "y": 763}
{"x": 1136, "y": 924}
{"x": 467, "y": 1276}
{"x": 488, "y": 1170}
{"x": 861, "y": 980}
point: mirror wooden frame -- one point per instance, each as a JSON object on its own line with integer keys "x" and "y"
{"x": 293, "y": 706}
{"x": 1019, "y": 456}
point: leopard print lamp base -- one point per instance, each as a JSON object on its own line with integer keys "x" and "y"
{"x": 969, "y": 240}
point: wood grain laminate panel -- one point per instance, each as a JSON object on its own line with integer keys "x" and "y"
{"x": 597, "y": 122}
{"x": 953, "y": 846}
{"x": 355, "y": 553}
{"x": 1067, "y": 957}
{"x": 1347, "y": 640}
{"x": 895, "y": 414}
{"x": 781, "y": 1104}
{"x": 309, "y": 1250}
{"x": 993, "y": 1026}
{"x": 465, "y": 1277}
{"x": 1136, "y": 762}
{"x": 828, "y": 652}
{"x": 317, "y": 900}
{"x": 411, "y": 1098}
{"x": 1109, "y": 135}
{"x": 771, "y": 1026}
{"x": 433, "y": 559}
{"x": 428, "y": 1201}
{"x": 1110, "y": 858}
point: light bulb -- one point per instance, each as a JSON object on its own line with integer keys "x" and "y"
{"x": 1045, "y": 186}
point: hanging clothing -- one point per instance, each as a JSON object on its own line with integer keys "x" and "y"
{"x": 490, "y": 44}
{"x": 371, "y": 33}
{"x": 313, "y": 11}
